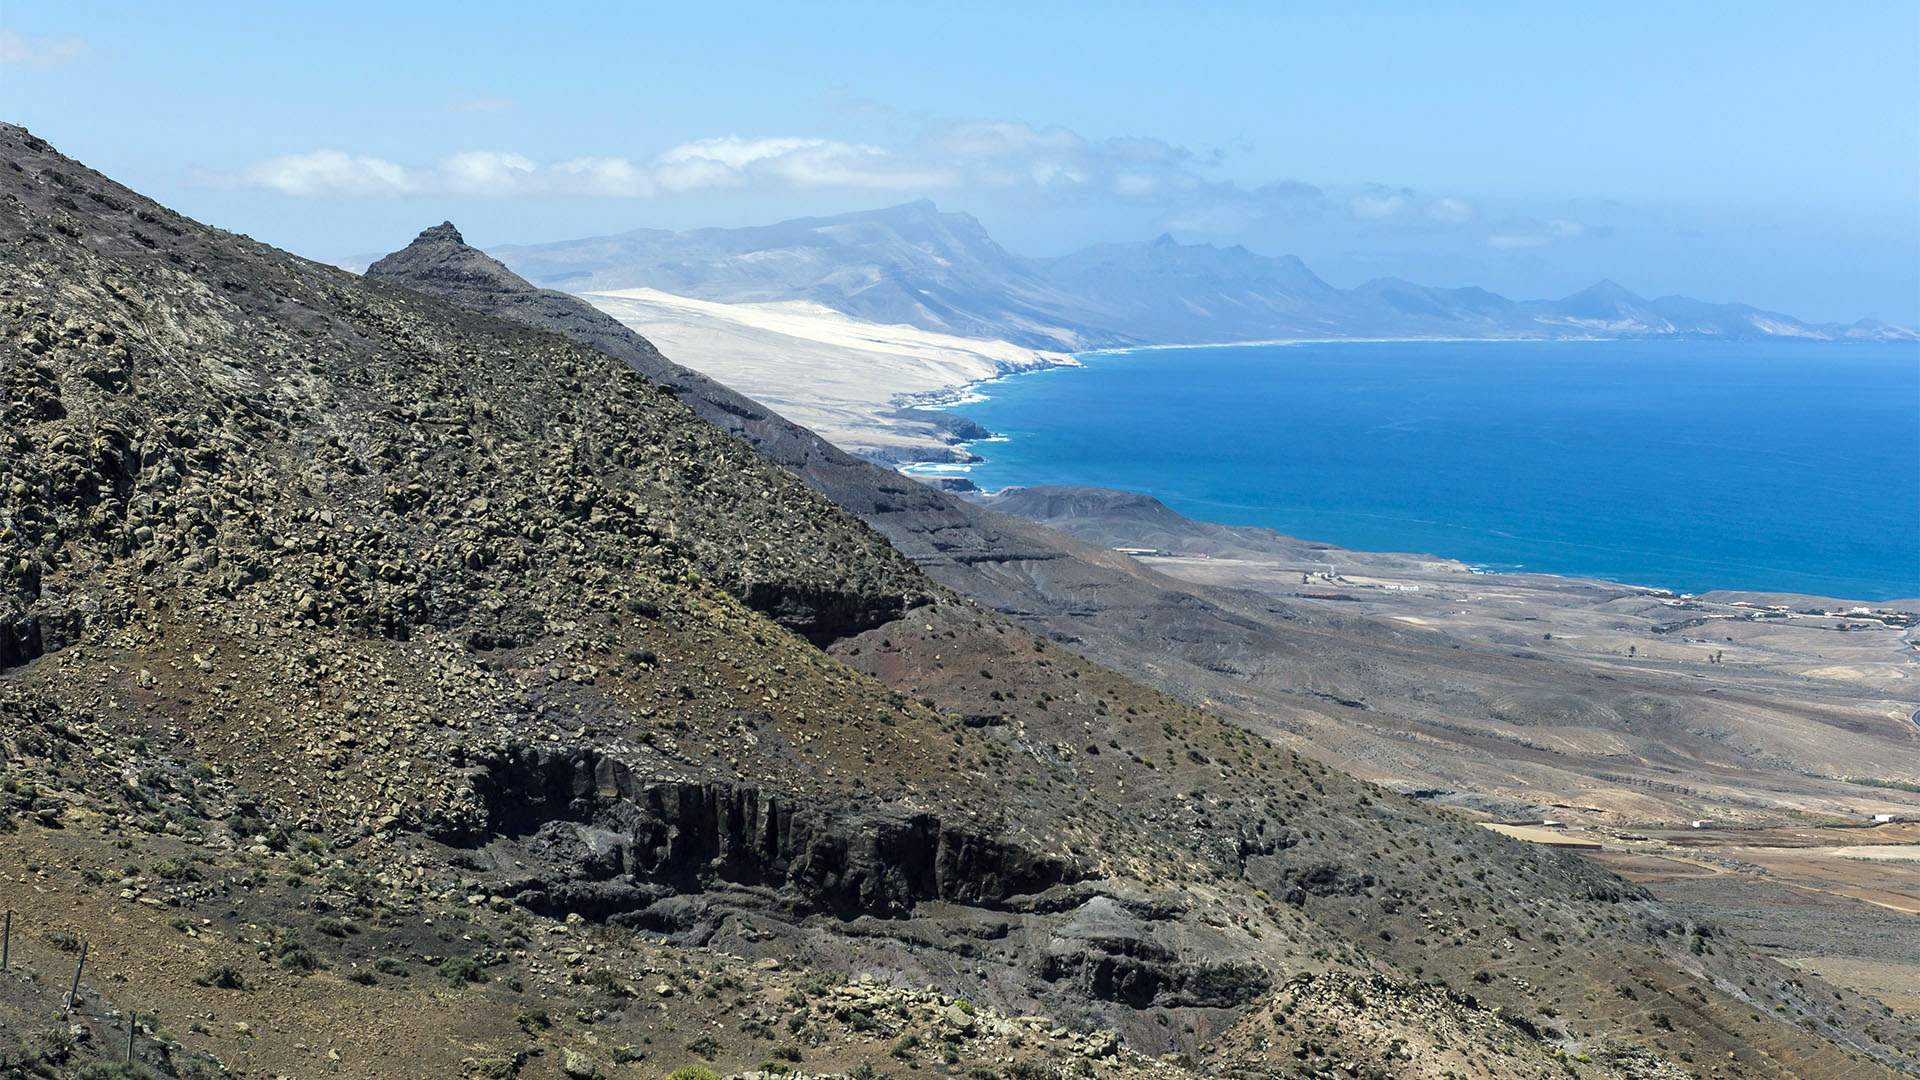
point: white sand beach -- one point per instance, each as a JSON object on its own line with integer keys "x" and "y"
{"x": 842, "y": 377}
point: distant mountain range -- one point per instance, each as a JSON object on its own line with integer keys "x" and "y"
{"x": 939, "y": 271}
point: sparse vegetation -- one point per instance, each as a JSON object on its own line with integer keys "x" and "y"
{"x": 493, "y": 629}
{"x": 459, "y": 970}
{"x": 224, "y": 977}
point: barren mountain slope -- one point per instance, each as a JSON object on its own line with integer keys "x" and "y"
{"x": 1414, "y": 704}
{"x": 387, "y": 678}
{"x": 1544, "y": 694}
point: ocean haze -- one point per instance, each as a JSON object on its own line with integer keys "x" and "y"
{"x": 914, "y": 264}
{"x": 1759, "y": 152}
{"x": 1691, "y": 465}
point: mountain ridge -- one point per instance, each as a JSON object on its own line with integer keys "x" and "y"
{"x": 915, "y": 264}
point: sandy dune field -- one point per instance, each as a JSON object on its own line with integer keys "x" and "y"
{"x": 842, "y": 377}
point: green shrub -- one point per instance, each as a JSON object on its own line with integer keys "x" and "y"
{"x": 462, "y": 969}
{"x": 299, "y": 959}
{"x": 224, "y": 977}
{"x": 819, "y": 982}
{"x": 692, "y": 1072}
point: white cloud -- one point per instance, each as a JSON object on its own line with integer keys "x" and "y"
{"x": 1013, "y": 159}
{"x": 705, "y": 164}
{"x": 605, "y": 176}
{"x": 486, "y": 172}
{"x": 973, "y": 156}
{"x": 39, "y": 52}
{"x": 1007, "y": 155}
{"x": 1449, "y": 211}
{"x": 836, "y": 166}
{"x": 1531, "y": 234}
{"x": 329, "y": 172}
{"x": 1377, "y": 206}
{"x": 999, "y": 140}
{"x": 795, "y": 163}
{"x": 736, "y": 153}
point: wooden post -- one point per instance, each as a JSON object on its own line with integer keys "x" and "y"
{"x": 133, "y": 1025}
{"x": 73, "y": 996}
{"x": 6, "y": 941}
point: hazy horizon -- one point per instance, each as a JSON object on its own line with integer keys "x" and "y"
{"x": 1753, "y": 154}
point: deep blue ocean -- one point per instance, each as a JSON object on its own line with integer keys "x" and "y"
{"x": 1789, "y": 467}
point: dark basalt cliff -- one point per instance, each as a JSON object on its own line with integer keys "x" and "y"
{"x": 620, "y": 842}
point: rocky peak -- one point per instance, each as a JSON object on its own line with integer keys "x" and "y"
{"x": 443, "y": 233}
{"x": 442, "y": 251}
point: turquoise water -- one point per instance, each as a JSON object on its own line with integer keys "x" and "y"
{"x": 1791, "y": 467}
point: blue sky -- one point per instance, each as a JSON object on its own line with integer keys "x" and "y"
{"x": 1760, "y": 152}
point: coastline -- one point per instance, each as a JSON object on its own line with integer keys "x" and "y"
{"x": 974, "y": 452}
{"x": 1284, "y": 342}
{"x": 1781, "y": 339}
{"x": 855, "y": 383}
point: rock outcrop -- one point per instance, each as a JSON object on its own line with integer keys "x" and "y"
{"x": 618, "y": 842}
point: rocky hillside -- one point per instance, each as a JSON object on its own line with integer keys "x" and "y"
{"x": 994, "y": 558}
{"x": 440, "y": 263}
{"x": 1124, "y": 519}
{"x": 392, "y": 690}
